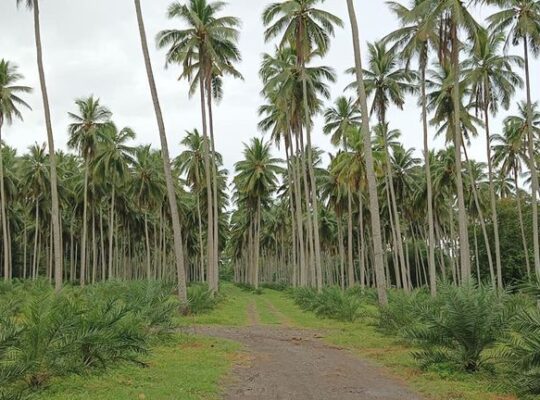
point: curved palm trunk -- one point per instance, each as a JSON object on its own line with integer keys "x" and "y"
{"x": 431, "y": 227}
{"x": 464, "y": 247}
{"x": 370, "y": 171}
{"x": 532, "y": 161}
{"x": 493, "y": 201}
{"x": 6, "y": 250}
{"x": 84, "y": 232}
{"x": 171, "y": 193}
{"x": 55, "y": 208}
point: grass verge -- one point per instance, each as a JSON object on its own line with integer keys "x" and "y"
{"x": 187, "y": 368}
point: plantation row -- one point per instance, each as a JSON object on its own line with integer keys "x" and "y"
{"x": 469, "y": 328}
{"x": 43, "y": 335}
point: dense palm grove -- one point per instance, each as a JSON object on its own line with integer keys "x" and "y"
{"x": 369, "y": 217}
{"x": 375, "y": 215}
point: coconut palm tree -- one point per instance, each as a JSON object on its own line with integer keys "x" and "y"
{"x": 206, "y": 50}
{"x": 493, "y": 83}
{"x": 509, "y": 155}
{"x": 171, "y": 192}
{"x": 34, "y": 6}
{"x": 415, "y": 39}
{"x": 114, "y": 157}
{"x": 370, "y": 169}
{"x": 85, "y": 134}
{"x": 307, "y": 29}
{"x": 388, "y": 84}
{"x": 10, "y": 108}
{"x": 520, "y": 19}
{"x": 146, "y": 186}
{"x": 284, "y": 85}
{"x": 256, "y": 178}
{"x": 453, "y": 16}
{"x": 339, "y": 121}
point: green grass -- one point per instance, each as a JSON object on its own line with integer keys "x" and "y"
{"x": 230, "y": 311}
{"x": 187, "y": 368}
{"x": 191, "y": 368}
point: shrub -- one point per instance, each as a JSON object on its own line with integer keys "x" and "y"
{"x": 200, "y": 299}
{"x": 330, "y": 303}
{"x": 522, "y": 350}
{"x": 456, "y": 328}
{"x": 402, "y": 311}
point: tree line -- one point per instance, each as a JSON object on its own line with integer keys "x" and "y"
{"x": 374, "y": 216}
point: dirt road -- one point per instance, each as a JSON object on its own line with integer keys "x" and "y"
{"x": 282, "y": 363}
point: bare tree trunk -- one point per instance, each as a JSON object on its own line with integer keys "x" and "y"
{"x": 299, "y": 219}
{"x": 370, "y": 171}
{"x": 462, "y": 213}
{"x": 532, "y": 161}
{"x": 482, "y": 221}
{"x": 431, "y": 243}
{"x": 84, "y": 226}
{"x": 5, "y": 241}
{"x": 148, "y": 258}
{"x": 493, "y": 199}
{"x": 215, "y": 227}
{"x": 350, "y": 272}
{"x": 171, "y": 193}
{"x": 111, "y": 231}
{"x": 55, "y": 208}
{"x": 521, "y": 225}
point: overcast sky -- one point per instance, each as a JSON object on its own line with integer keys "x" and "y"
{"x": 92, "y": 47}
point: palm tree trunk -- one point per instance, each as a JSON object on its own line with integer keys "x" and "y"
{"x": 299, "y": 219}
{"x": 493, "y": 200}
{"x": 36, "y": 234}
{"x": 314, "y": 199}
{"x": 462, "y": 213}
{"x": 370, "y": 170}
{"x": 94, "y": 248}
{"x": 171, "y": 193}
{"x": 214, "y": 189}
{"x": 309, "y": 227}
{"x": 257, "y": 244}
{"x": 102, "y": 243}
{"x": 84, "y": 227}
{"x": 209, "y": 198}
{"x": 148, "y": 257}
{"x": 482, "y": 220}
{"x": 3, "y": 208}
{"x": 350, "y": 272}
{"x": 55, "y": 209}
{"x": 431, "y": 244}
{"x": 521, "y": 225}
{"x": 362, "y": 241}
{"x": 291, "y": 206}
{"x": 341, "y": 254}
{"x": 111, "y": 232}
{"x": 199, "y": 219}
{"x": 532, "y": 161}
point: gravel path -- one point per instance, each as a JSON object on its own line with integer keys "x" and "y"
{"x": 290, "y": 364}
